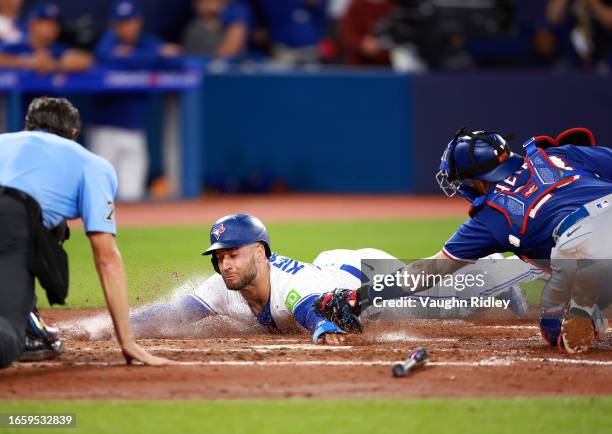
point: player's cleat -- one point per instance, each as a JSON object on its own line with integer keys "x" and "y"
{"x": 42, "y": 340}
{"x": 518, "y": 301}
{"x": 577, "y": 330}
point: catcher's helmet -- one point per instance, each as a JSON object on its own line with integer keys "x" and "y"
{"x": 480, "y": 155}
{"x": 236, "y": 230}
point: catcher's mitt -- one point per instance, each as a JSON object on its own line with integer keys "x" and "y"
{"x": 340, "y": 307}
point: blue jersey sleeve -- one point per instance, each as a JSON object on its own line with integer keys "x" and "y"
{"x": 478, "y": 237}
{"x": 97, "y": 197}
{"x": 15, "y": 49}
{"x": 597, "y": 160}
{"x": 106, "y": 45}
{"x": 308, "y": 318}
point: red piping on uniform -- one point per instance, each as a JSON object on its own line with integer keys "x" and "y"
{"x": 452, "y": 258}
{"x": 501, "y": 210}
{"x": 545, "y": 154}
{"x": 539, "y": 198}
{"x": 519, "y": 189}
{"x": 549, "y": 139}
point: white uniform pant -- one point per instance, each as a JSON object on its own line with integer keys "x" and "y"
{"x": 501, "y": 275}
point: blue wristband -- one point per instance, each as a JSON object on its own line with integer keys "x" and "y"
{"x": 325, "y": 327}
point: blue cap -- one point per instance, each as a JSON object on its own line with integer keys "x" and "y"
{"x": 125, "y": 10}
{"x": 44, "y": 11}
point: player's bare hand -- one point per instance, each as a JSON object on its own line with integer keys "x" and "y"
{"x": 134, "y": 353}
{"x": 41, "y": 62}
{"x": 331, "y": 339}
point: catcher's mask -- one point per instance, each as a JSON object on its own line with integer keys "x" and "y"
{"x": 481, "y": 155}
{"x": 236, "y": 230}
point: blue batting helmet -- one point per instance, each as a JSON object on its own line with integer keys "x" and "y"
{"x": 236, "y": 230}
{"x": 480, "y": 155}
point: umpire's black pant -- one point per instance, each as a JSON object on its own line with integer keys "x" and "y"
{"x": 16, "y": 281}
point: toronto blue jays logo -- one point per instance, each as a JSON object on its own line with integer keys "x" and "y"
{"x": 217, "y": 231}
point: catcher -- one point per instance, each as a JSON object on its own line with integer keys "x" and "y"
{"x": 551, "y": 207}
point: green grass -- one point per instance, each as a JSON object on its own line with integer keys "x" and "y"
{"x": 156, "y": 258}
{"x": 453, "y": 416}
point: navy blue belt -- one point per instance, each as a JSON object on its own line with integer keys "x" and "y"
{"x": 570, "y": 221}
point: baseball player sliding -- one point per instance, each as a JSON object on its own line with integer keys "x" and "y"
{"x": 255, "y": 286}
{"x": 551, "y": 207}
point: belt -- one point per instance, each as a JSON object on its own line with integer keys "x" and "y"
{"x": 15, "y": 194}
{"x": 570, "y": 221}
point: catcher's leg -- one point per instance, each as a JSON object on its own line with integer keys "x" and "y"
{"x": 580, "y": 279}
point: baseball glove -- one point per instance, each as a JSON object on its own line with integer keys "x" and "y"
{"x": 340, "y": 307}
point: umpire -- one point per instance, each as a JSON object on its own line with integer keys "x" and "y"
{"x": 45, "y": 178}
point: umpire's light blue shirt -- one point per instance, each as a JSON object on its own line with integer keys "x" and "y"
{"x": 66, "y": 179}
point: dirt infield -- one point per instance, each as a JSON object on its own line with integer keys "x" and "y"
{"x": 468, "y": 358}
{"x": 295, "y": 207}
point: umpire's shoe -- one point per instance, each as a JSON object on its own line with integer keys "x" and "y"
{"x": 42, "y": 340}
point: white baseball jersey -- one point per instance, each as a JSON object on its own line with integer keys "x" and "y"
{"x": 294, "y": 286}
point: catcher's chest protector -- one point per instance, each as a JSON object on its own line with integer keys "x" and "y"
{"x": 520, "y": 197}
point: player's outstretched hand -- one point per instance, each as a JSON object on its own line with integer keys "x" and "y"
{"x": 332, "y": 339}
{"x": 134, "y": 353}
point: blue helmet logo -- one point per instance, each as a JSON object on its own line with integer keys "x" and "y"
{"x": 217, "y": 231}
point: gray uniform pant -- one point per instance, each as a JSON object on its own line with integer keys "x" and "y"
{"x": 581, "y": 260}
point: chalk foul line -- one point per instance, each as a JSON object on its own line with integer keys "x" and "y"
{"x": 490, "y": 362}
